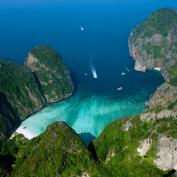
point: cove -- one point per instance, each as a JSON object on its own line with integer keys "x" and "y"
{"x": 90, "y": 35}
{"x": 88, "y": 112}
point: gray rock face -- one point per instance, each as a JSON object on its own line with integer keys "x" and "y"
{"x": 26, "y": 89}
{"x": 111, "y": 153}
{"x": 153, "y": 45}
{"x": 127, "y": 125}
{"x": 150, "y": 47}
{"x": 153, "y": 116}
{"x": 165, "y": 95}
{"x": 52, "y": 74}
{"x": 166, "y": 154}
{"x": 144, "y": 147}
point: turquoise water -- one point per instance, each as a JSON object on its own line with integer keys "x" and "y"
{"x": 87, "y": 113}
{"x": 90, "y": 36}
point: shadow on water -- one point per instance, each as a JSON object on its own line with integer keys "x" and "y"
{"x": 87, "y": 137}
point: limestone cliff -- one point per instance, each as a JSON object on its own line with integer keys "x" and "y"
{"x": 153, "y": 44}
{"x": 19, "y": 96}
{"x": 144, "y": 145}
{"x": 51, "y": 72}
{"x": 18, "y": 84}
{"x": 27, "y": 89}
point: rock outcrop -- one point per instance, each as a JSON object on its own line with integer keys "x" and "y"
{"x": 152, "y": 44}
{"x": 52, "y": 74}
{"x": 20, "y": 96}
{"x": 148, "y": 148}
{"x": 57, "y": 152}
{"x": 166, "y": 153}
{"x": 144, "y": 147}
{"x": 164, "y": 97}
{"x": 26, "y": 89}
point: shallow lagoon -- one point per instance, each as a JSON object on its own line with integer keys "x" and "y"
{"x": 85, "y": 33}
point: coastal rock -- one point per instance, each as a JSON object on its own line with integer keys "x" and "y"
{"x": 19, "y": 86}
{"x": 148, "y": 116}
{"x": 27, "y": 89}
{"x": 150, "y": 147}
{"x": 164, "y": 97}
{"x": 8, "y": 118}
{"x": 111, "y": 153}
{"x": 153, "y": 43}
{"x": 166, "y": 153}
{"x": 127, "y": 125}
{"x": 144, "y": 147}
{"x": 153, "y": 116}
{"x": 51, "y": 73}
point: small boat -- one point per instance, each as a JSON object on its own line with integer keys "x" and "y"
{"x": 82, "y": 28}
{"x": 119, "y": 88}
{"x": 123, "y": 73}
{"x": 157, "y": 68}
{"x": 85, "y": 74}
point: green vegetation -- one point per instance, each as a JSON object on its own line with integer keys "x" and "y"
{"x": 152, "y": 50}
{"x": 8, "y": 152}
{"x": 173, "y": 75}
{"x": 57, "y": 152}
{"x": 126, "y": 161}
{"x": 18, "y": 85}
{"x": 23, "y": 92}
{"x": 51, "y": 72}
{"x": 60, "y": 152}
{"x": 160, "y": 22}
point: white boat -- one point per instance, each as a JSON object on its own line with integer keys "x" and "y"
{"x": 123, "y": 73}
{"x": 119, "y": 88}
{"x": 157, "y": 68}
{"x": 82, "y": 28}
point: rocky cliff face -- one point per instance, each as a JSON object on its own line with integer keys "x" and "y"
{"x": 153, "y": 44}
{"x": 27, "y": 89}
{"x": 8, "y": 118}
{"x": 146, "y": 148}
{"x": 20, "y": 95}
{"x": 18, "y": 84}
{"x": 51, "y": 73}
{"x": 164, "y": 97}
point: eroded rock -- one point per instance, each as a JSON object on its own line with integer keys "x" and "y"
{"x": 166, "y": 153}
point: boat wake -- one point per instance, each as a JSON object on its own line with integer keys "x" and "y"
{"x": 93, "y": 70}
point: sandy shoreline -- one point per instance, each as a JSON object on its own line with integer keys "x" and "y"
{"x": 25, "y": 132}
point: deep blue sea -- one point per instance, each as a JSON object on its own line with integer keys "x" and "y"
{"x": 87, "y": 34}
